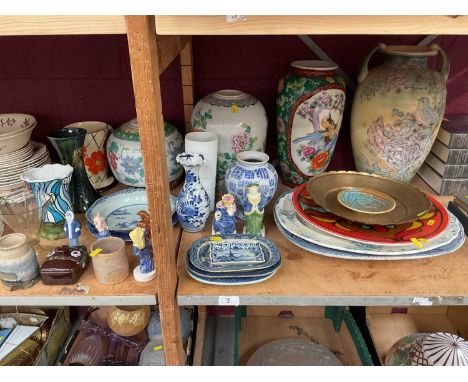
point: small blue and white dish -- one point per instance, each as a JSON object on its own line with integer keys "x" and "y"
{"x": 200, "y": 253}
{"x": 238, "y": 251}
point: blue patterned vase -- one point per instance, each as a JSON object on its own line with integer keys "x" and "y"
{"x": 193, "y": 202}
{"x": 251, "y": 167}
{"x": 52, "y": 179}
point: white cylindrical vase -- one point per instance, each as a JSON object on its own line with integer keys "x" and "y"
{"x": 205, "y": 143}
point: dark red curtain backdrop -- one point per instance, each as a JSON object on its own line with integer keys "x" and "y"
{"x": 65, "y": 79}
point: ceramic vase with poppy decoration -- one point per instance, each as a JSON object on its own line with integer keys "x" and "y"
{"x": 94, "y": 152}
{"x": 309, "y": 110}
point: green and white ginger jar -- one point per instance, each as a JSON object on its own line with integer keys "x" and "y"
{"x": 309, "y": 111}
{"x": 126, "y": 160}
{"x": 239, "y": 120}
{"x": 397, "y": 110}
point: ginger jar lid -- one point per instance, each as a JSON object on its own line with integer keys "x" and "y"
{"x": 230, "y": 97}
{"x": 128, "y": 131}
{"x": 314, "y": 65}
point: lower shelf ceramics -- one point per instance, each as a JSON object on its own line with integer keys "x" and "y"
{"x": 319, "y": 250}
{"x": 230, "y": 281}
{"x": 286, "y": 216}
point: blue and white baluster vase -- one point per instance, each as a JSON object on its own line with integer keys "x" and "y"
{"x": 251, "y": 167}
{"x": 193, "y": 202}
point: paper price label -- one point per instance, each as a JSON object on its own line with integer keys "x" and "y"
{"x": 234, "y": 18}
{"x": 228, "y": 300}
{"x": 421, "y": 301}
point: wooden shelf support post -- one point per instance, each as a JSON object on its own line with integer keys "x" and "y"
{"x": 186, "y": 69}
{"x": 144, "y": 61}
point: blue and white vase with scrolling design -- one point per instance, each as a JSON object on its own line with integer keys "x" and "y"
{"x": 193, "y": 202}
{"x": 52, "y": 179}
{"x": 251, "y": 167}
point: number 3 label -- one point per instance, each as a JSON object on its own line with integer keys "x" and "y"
{"x": 228, "y": 300}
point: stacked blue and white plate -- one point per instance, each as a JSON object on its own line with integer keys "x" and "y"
{"x": 232, "y": 259}
{"x": 120, "y": 211}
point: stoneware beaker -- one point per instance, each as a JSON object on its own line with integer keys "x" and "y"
{"x": 111, "y": 264}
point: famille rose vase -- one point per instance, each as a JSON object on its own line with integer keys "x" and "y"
{"x": 309, "y": 110}
{"x": 126, "y": 160}
{"x": 193, "y": 202}
{"x": 397, "y": 110}
{"x": 239, "y": 120}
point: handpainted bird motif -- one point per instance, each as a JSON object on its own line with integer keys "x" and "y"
{"x": 424, "y": 114}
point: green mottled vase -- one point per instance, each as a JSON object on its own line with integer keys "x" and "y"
{"x": 69, "y": 142}
{"x": 309, "y": 110}
{"x": 397, "y": 110}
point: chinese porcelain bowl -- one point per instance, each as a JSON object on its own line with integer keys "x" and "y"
{"x": 15, "y": 131}
{"x": 367, "y": 198}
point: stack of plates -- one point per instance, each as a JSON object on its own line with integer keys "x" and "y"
{"x": 13, "y": 164}
{"x": 120, "y": 211}
{"x": 313, "y": 228}
{"x": 232, "y": 259}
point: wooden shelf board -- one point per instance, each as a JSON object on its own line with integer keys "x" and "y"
{"x": 61, "y": 25}
{"x": 129, "y": 292}
{"x": 309, "y": 279}
{"x": 318, "y": 25}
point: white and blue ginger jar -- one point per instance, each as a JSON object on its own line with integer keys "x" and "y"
{"x": 251, "y": 167}
{"x": 193, "y": 202}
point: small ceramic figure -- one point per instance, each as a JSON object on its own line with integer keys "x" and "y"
{"x": 254, "y": 208}
{"x": 224, "y": 222}
{"x": 141, "y": 238}
{"x": 72, "y": 229}
{"x": 101, "y": 226}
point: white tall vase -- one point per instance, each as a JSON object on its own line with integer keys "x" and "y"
{"x": 205, "y": 143}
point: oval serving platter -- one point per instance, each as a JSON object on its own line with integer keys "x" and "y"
{"x": 398, "y": 202}
{"x": 200, "y": 257}
{"x": 426, "y": 227}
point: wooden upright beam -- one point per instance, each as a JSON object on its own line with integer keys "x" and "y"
{"x": 145, "y": 73}
{"x": 186, "y": 69}
{"x": 169, "y": 48}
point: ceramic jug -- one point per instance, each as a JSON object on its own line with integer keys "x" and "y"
{"x": 397, "y": 110}
{"x": 309, "y": 110}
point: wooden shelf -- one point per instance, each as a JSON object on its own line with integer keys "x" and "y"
{"x": 129, "y": 292}
{"x": 316, "y": 25}
{"x": 61, "y": 25}
{"x": 309, "y": 279}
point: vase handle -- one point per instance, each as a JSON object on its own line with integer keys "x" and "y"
{"x": 364, "y": 67}
{"x": 445, "y": 69}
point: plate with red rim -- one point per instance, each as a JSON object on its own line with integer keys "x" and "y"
{"x": 428, "y": 226}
